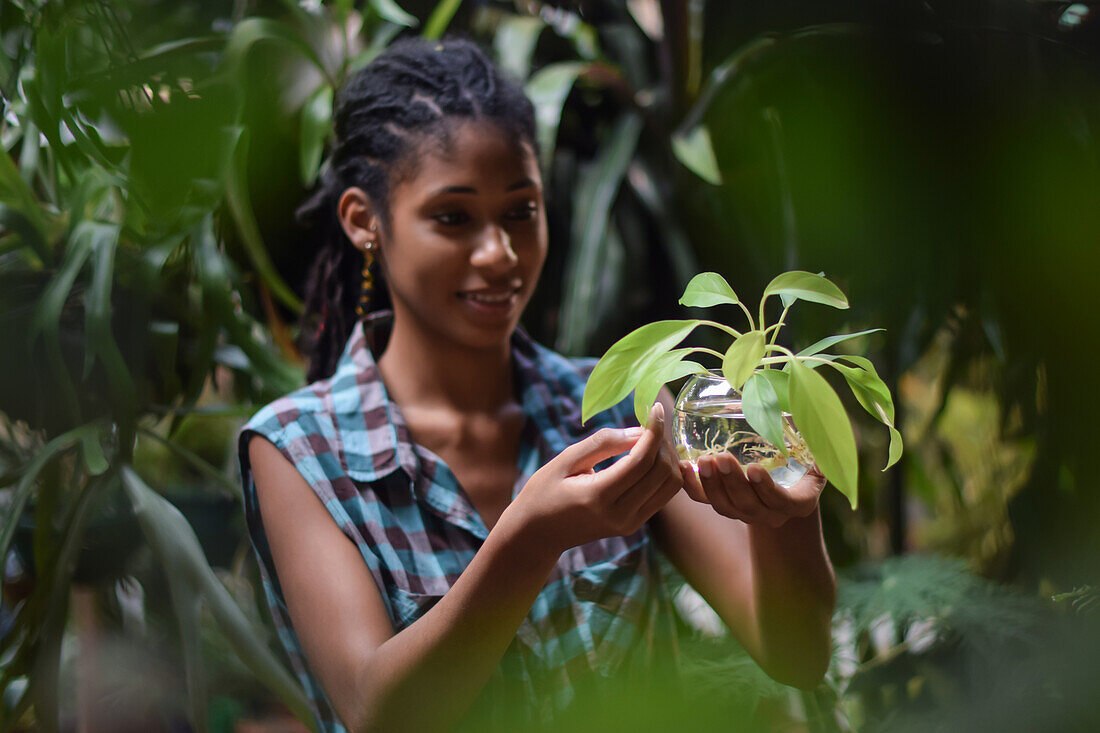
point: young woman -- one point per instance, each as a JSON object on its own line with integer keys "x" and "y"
{"x": 431, "y": 517}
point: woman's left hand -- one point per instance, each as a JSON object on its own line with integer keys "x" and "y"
{"x": 749, "y": 493}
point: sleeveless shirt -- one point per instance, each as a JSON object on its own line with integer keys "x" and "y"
{"x": 603, "y": 611}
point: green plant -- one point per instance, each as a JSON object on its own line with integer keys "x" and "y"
{"x": 772, "y": 379}
{"x": 121, "y": 184}
{"x": 145, "y": 279}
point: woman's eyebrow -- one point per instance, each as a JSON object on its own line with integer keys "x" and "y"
{"x": 454, "y": 189}
{"x": 521, "y": 184}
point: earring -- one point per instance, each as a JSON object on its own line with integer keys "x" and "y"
{"x": 368, "y": 282}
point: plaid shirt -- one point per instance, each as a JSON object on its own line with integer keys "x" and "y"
{"x": 603, "y": 609}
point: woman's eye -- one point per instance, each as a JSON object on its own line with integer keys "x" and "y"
{"x": 452, "y": 218}
{"x": 525, "y": 211}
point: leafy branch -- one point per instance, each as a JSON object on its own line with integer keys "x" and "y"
{"x": 772, "y": 379}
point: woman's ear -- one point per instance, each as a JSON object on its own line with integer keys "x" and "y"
{"x": 359, "y": 218}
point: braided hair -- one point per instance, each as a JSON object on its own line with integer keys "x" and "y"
{"x": 413, "y": 92}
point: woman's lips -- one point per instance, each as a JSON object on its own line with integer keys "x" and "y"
{"x": 490, "y": 297}
{"x": 491, "y": 301}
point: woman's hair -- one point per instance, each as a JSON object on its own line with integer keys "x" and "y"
{"x": 413, "y": 92}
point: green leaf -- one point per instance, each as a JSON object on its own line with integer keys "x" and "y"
{"x": 440, "y": 18}
{"x": 548, "y": 90}
{"x": 164, "y": 348}
{"x": 860, "y": 361}
{"x": 92, "y": 450}
{"x": 42, "y": 109}
{"x": 223, "y": 307}
{"x": 666, "y": 368}
{"x": 147, "y": 65}
{"x": 251, "y": 31}
{"x": 760, "y": 404}
{"x": 834, "y": 340}
{"x": 192, "y": 579}
{"x": 15, "y": 192}
{"x": 30, "y": 153}
{"x": 570, "y": 26}
{"x": 874, "y": 396}
{"x": 592, "y": 236}
{"x": 394, "y": 13}
{"x": 742, "y": 358}
{"x": 13, "y": 221}
{"x": 670, "y": 232}
{"x": 240, "y": 206}
{"x": 46, "y": 319}
{"x": 97, "y": 310}
{"x": 896, "y": 447}
{"x": 695, "y": 151}
{"x": 818, "y": 359}
{"x": 707, "y": 289}
{"x": 780, "y": 382}
{"x": 214, "y": 475}
{"x": 515, "y": 41}
{"x": 379, "y": 41}
{"x": 315, "y": 128}
{"x": 820, "y": 417}
{"x": 22, "y": 491}
{"x": 801, "y": 285}
{"x": 188, "y": 611}
{"x": 626, "y": 362}
{"x": 89, "y": 143}
{"x": 870, "y": 391}
{"x": 53, "y": 585}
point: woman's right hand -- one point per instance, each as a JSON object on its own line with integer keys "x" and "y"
{"x": 566, "y": 503}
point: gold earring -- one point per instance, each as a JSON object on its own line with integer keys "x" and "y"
{"x": 368, "y": 282}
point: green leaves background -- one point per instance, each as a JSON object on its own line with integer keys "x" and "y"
{"x": 151, "y": 272}
{"x": 154, "y": 153}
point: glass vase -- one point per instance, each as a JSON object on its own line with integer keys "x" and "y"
{"x": 708, "y": 420}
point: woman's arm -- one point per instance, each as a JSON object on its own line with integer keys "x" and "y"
{"x": 376, "y": 679}
{"x": 763, "y": 567}
{"x": 774, "y": 588}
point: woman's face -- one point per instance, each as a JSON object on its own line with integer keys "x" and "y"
{"x": 467, "y": 237}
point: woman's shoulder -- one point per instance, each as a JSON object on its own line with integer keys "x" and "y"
{"x": 302, "y": 408}
{"x": 313, "y": 412}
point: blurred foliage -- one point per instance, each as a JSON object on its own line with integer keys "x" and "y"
{"x": 923, "y": 644}
{"x": 936, "y": 158}
{"x": 920, "y": 643}
{"x": 123, "y": 176}
{"x": 938, "y": 161}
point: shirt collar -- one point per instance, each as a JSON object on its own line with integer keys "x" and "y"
{"x": 376, "y": 437}
{"x": 374, "y": 434}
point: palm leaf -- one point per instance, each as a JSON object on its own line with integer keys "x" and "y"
{"x": 192, "y": 580}
{"x": 592, "y": 215}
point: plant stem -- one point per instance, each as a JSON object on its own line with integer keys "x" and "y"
{"x": 752, "y": 324}
{"x": 778, "y": 325}
{"x": 705, "y": 350}
{"x": 788, "y": 355}
{"x": 782, "y": 349}
{"x": 721, "y": 326}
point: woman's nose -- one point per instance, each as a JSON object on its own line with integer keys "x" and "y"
{"x": 494, "y": 250}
